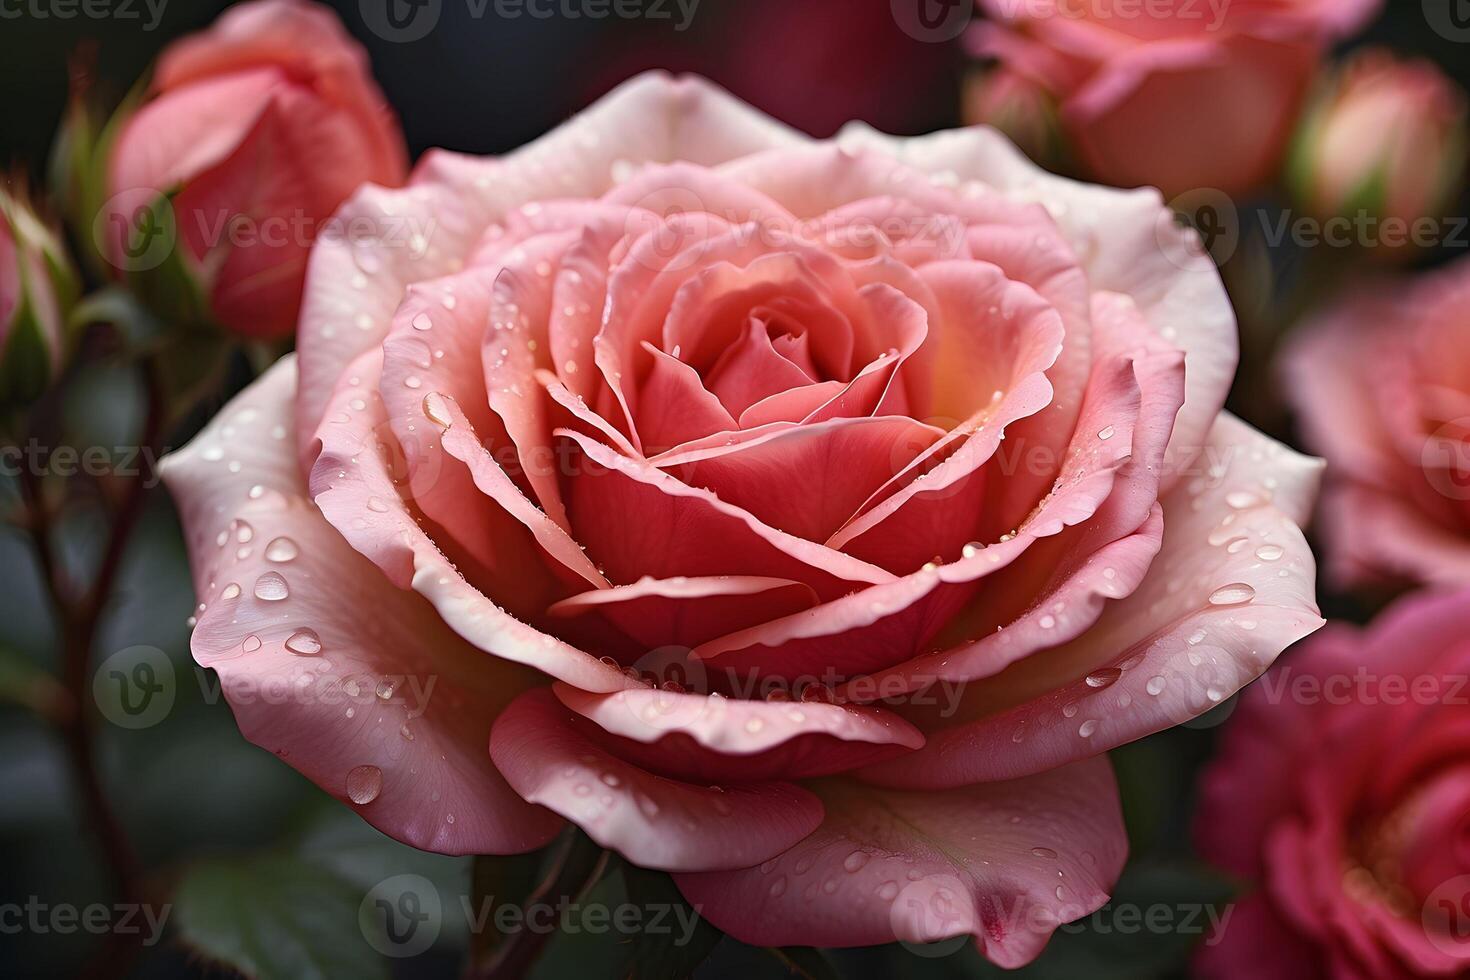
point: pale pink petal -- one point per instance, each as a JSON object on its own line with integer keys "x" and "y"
{"x": 357, "y": 684}
{"x": 1204, "y": 623}
{"x": 706, "y": 739}
{"x": 353, "y": 487}
{"x": 430, "y": 228}
{"x": 1004, "y": 862}
{"x": 1127, "y": 241}
{"x": 674, "y": 405}
{"x": 651, "y": 820}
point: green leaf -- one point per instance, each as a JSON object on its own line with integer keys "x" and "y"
{"x": 275, "y": 917}
{"x": 675, "y": 950}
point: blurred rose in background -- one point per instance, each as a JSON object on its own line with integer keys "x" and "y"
{"x": 1387, "y": 139}
{"x": 257, "y": 128}
{"x": 37, "y": 285}
{"x": 1342, "y": 791}
{"x": 1381, "y": 381}
{"x": 1179, "y": 95}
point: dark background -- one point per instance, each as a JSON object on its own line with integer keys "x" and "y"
{"x": 190, "y": 788}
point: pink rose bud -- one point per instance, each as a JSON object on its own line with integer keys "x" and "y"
{"x": 1182, "y": 95}
{"x": 256, "y": 130}
{"x": 1019, "y": 107}
{"x": 1387, "y": 139}
{"x": 37, "y": 288}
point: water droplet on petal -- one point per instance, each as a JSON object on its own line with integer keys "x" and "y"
{"x": 364, "y": 783}
{"x": 271, "y": 587}
{"x": 1232, "y": 594}
{"x": 304, "y": 643}
{"x": 281, "y": 550}
{"x": 1104, "y": 677}
{"x": 1270, "y": 552}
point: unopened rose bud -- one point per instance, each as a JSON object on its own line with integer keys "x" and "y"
{"x": 252, "y": 134}
{"x": 37, "y": 289}
{"x": 1019, "y": 107}
{"x": 1385, "y": 141}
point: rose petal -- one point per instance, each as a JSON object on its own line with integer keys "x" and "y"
{"x": 355, "y": 683}
{"x": 921, "y": 867}
{"x": 653, "y": 821}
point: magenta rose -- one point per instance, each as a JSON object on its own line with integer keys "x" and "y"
{"x": 1342, "y": 795}
{"x": 803, "y": 518}
{"x": 1381, "y": 381}
{"x": 258, "y": 128}
{"x": 1177, "y": 94}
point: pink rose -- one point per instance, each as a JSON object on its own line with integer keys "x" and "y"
{"x": 1178, "y": 94}
{"x": 1381, "y": 381}
{"x": 673, "y": 466}
{"x": 260, "y": 127}
{"x": 1342, "y": 792}
{"x": 1387, "y": 140}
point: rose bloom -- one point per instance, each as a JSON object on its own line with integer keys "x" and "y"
{"x": 803, "y": 518}
{"x": 1178, "y": 94}
{"x": 1342, "y": 792}
{"x": 1381, "y": 382}
{"x": 259, "y": 127}
{"x": 1388, "y": 138}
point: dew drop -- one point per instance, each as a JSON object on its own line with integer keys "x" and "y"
{"x": 1044, "y": 852}
{"x": 1270, "y": 552}
{"x": 1106, "y": 433}
{"x": 854, "y": 862}
{"x": 304, "y": 643}
{"x": 232, "y": 591}
{"x": 281, "y": 550}
{"x": 1087, "y": 728}
{"x": 1232, "y": 595}
{"x": 1155, "y": 685}
{"x": 364, "y": 783}
{"x": 271, "y": 587}
{"x": 1104, "y": 677}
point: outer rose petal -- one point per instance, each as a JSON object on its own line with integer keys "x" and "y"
{"x": 282, "y": 584}
{"x": 653, "y": 821}
{"x": 1127, "y": 241}
{"x": 432, "y": 225}
{"x": 1177, "y": 651}
{"x": 921, "y": 867}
